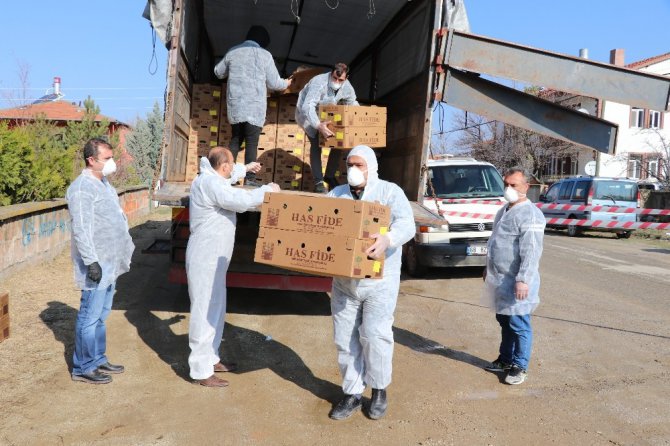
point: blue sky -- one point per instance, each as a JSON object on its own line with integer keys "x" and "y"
{"x": 103, "y": 49}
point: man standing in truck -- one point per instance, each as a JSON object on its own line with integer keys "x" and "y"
{"x": 327, "y": 88}
{"x": 512, "y": 276}
{"x": 250, "y": 70}
{"x": 213, "y": 204}
{"x": 363, "y": 308}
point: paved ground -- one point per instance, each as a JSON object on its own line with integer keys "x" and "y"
{"x": 600, "y": 374}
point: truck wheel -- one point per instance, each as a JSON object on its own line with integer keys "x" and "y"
{"x": 625, "y": 234}
{"x": 412, "y": 264}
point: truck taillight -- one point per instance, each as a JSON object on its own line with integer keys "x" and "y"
{"x": 639, "y": 199}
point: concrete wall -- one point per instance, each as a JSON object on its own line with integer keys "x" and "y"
{"x": 32, "y": 232}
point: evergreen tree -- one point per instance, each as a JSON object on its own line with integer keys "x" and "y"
{"x": 15, "y": 162}
{"x": 52, "y": 161}
{"x": 144, "y": 143}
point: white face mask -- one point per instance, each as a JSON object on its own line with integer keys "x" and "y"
{"x": 108, "y": 168}
{"x": 355, "y": 176}
{"x": 335, "y": 85}
{"x": 512, "y": 196}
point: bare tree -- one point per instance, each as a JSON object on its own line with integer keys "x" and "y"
{"x": 20, "y": 96}
{"x": 655, "y": 165}
{"x": 505, "y": 146}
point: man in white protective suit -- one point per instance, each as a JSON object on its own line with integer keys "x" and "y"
{"x": 324, "y": 89}
{"x": 363, "y": 308}
{"x": 251, "y": 71}
{"x": 213, "y": 204}
{"x": 512, "y": 276}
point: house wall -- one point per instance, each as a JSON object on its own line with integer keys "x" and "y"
{"x": 32, "y": 232}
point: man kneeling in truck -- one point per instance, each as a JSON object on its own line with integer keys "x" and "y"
{"x": 363, "y": 308}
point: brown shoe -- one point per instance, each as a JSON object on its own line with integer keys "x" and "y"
{"x": 212, "y": 381}
{"x": 220, "y": 367}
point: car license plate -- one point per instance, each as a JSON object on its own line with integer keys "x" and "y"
{"x": 477, "y": 250}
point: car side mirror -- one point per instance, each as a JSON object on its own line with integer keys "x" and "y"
{"x": 543, "y": 198}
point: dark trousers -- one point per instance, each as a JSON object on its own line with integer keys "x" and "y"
{"x": 317, "y": 167}
{"x": 249, "y": 134}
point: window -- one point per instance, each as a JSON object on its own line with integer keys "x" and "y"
{"x": 652, "y": 168}
{"x": 552, "y": 194}
{"x": 465, "y": 181}
{"x": 634, "y": 166}
{"x": 566, "y": 189}
{"x": 637, "y": 117}
{"x": 580, "y": 191}
{"x": 654, "y": 119}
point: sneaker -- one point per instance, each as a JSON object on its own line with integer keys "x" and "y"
{"x": 498, "y": 366}
{"x": 516, "y": 375}
{"x": 320, "y": 188}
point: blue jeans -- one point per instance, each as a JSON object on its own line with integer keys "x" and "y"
{"x": 517, "y": 339}
{"x": 90, "y": 338}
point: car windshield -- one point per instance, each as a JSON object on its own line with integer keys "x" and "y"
{"x": 475, "y": 181}
{"x": 615, "y": 190}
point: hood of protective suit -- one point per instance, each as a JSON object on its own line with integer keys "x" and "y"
{"x": 207, "y": 168}
{"x": 370, "y": 158}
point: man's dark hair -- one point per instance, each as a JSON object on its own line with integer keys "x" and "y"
{"x": 259, "y": 35}
{"x": 218, "y": 156}
{"x": 340, "y": 68}
{"x": 92, "y": 148}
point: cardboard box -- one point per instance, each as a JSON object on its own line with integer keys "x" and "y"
{"x": 4, "y": 316}
{"x": 353, "y": 115}
{"x": 310, "y": 213}
{"x": 322, "y": 254}
{"x": 301, "y": 78}
{"x": 349, "y": 137}
{"x": 209, "y": 94}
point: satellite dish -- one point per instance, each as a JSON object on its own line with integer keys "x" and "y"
{"x": 590, "y": 168}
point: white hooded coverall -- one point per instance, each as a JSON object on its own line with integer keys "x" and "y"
{"x": 213, "y": 204}
{"x": 363, "y": 308}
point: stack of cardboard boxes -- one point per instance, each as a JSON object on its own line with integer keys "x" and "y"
{"x": 4, "y": 316}
{"x": 353, "y": 125}
{"x": 283, "y": 147}
{"x": 320, "y": 235}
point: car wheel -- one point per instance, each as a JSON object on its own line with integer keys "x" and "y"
{"x": 412, "y": 264}
{"x": 574, "y": 231}
{"x": 625, "y": 234}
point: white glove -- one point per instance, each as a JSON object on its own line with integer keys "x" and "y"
{"x": 379, "y": 247}
{"x": 253, "y": 167}
{"x": 274, "y": 186}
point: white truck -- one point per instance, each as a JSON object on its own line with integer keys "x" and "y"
{"x": 467, "y": 193}
{"x": 403, "y": 55}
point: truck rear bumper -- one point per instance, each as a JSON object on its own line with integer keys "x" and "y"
{"x": 264, "y": 281}
{"x": 447, "y": 255}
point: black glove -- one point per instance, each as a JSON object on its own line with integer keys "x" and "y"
{"x": 94, "y": 272}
